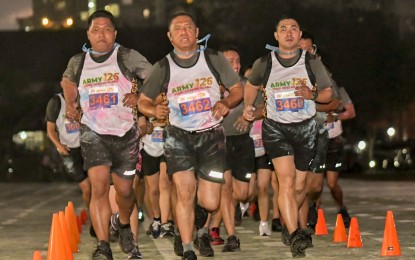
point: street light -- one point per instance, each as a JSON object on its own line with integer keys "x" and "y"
{"x": 45, "y": 21}
{"x": 391, "y": 131}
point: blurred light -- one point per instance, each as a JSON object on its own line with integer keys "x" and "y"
{"x": 404, "y": 151}
{"x": 91, "y": 4}
{"x": 146, "y": 13}
{"x": 23, "y": 135}
{"x": 384, "y": 164}
{"x": 396, "y": 164}
{"x": 189, "y": 2}
{"x": 68, "y": 22}
{"x": 27, "y": 29}
{"x": 391, "y": 131}
{"x": 107, "y": 8}
{"x": 45, "y": 21}
{"x": 361, "y": 145}
{"x": 372, "y": 164}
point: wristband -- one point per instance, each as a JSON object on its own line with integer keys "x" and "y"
{"x": 315, "y": 95}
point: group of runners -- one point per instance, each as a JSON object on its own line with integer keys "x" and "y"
{"x": 200, "y": 139}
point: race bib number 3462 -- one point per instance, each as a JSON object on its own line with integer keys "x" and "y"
{"x": 195, "y": 103}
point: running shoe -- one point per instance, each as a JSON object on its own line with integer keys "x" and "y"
{"x": 135, "y": 253}
{"x": 276, "y": 225}
{"x": 189, "y": 255}
{"x": 312, "y": 217}
{"x": 215, "y": 234}
{"x": 345, "y": 215}
{"x": 178, "y": 246}
{"x": 167, "y": 230}
{"x": 264, "y": 229}
{"x": 244, "y": 208}
{"x": 114, "y": 234}
{"x": 103, "y": 251}
{"x": 126, "y": 239}
{"x": 155, "y": 229}
{"x": 298, "y": 243}
{"x": 203, "y": 245}
{"x": 201, "y": 216}
{"x": 232, "y": 244}
{"x": 238, "y": 215}
{"x": 140, "y": 215}
{"x": 285, "y": 236}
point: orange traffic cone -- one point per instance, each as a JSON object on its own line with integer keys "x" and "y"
{"x": 69, "y": 253}
{"x": 72, "y": 230}
{"x": 56, "y": 246}
{"x": 79, "y": 223}
{"x": 355, "y": 240}
{"x": 84, "y": 216}
{"x": 37, "y": 255}
{"x": 74, "y": 222}
{"x": 390, "y": 244}
{"x": 339, "y": 235}
{"x": 321, "y": 227}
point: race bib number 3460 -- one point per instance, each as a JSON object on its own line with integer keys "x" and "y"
{"x": 287, "y": 101}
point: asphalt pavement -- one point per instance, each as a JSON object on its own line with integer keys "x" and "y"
{"x": 27, "y": 210}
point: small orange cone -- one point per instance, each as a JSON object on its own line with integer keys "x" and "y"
{"x": 64, "y": 227}
{"x": 37, "y": 255}
{"x": 390, "y": 244}
{"x": 56, "y": 246}
{"x": 84, "y": 216}
{"x": 72, "y": 230}
{"x": 321, "y": 227}
{"x": 74, "y": 222}
{"x": 355, "y": 240}
{"x": 339, "y": 235}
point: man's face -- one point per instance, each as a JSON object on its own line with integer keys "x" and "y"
{"x": 101, "y": 34}
{"x": 183, "y": 33}
{"x": 288, "y": 34}
{"x": 307, "y": 45}
{"x": 233, "y": 58}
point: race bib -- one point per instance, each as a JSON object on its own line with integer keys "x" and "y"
{"x": 103, "y": 97}
{"x": 157, "y": 136}
{"x": 194, "y": 103}
{"x": 257, "y": 141}
{"x": 288, "y": 101}
{"x": 72, "y": 127}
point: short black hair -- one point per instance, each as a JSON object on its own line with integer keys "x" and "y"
{"x": 99, "y": 14}
{"x": 285, "y": 17}
{"x": 307, "y": 35}
{"x": 230, "y": 48}
{"x": 180, "y": 13}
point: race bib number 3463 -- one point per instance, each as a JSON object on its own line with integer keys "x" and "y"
{"x": 287, "y": 101}
{"x": 103, "y": 97}
{"x": 195, "y": 103}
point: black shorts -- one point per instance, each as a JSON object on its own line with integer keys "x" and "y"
{"x": 240, "y": 156}
{"x": 318, "y": 165}
{"x": 120, "y": 153}
{"x": 296, "y": 139}
{"x": 335, "y": 154}
{"x": 203, "y": 152}
{"x": 263, "y": 162}
{"x": 73, "y": 163}
{"x": 150, "y": 165}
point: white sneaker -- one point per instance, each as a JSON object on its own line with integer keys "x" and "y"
{"x": 264, "y": 229}
{"x": 244, "y": 207}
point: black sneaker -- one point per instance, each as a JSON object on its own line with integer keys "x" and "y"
{"x": 238, "y": 215}
{"x": 308, "y": 237}
{"x": 155, "y": 228}
{"x": 189, "y": 255}
{"x": 92, "y": 231}
{"x": 312, "y": 217}
{"x": 201, "y": 216}
{"x": 114, "y": 234}
{"x": 126, "y": 239}
{"x": 285, "y": 236}
{"x": 232, "y": 244}
{"x": 178, "y": 246}
{"x": 298, "y": 243}
{"x": 345, "y": 216}
{"x": 135, "y": 253}
{"x": 103, "y": 251}
{"x": 167, "y": 230}
{"x": 204, "y": 246}
{"x": 276, "y": 225}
